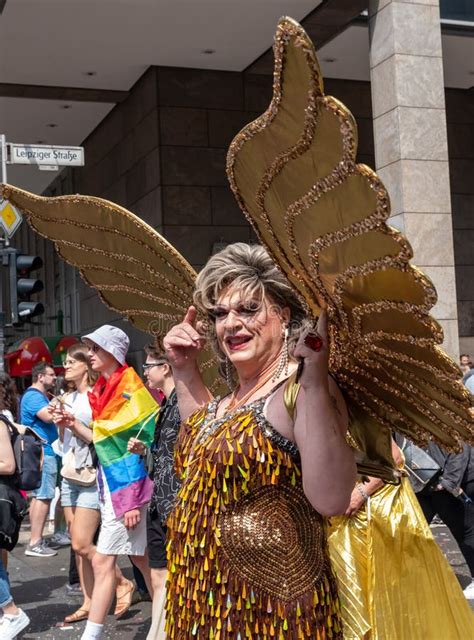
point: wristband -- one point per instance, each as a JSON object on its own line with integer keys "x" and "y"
{"x": 362, "y": 492}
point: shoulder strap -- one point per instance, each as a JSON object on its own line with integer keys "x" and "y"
{"x": 8, "y": 424}
{"x": 290, "y": 395}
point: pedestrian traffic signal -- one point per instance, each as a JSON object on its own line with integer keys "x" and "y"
{"x": 22, "y": 286}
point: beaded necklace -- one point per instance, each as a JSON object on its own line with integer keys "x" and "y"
{"x": 270, "y": 370}
{"x": 212, "y": 424}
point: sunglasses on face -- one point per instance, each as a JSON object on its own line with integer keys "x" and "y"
{"x": 94, "y": 347}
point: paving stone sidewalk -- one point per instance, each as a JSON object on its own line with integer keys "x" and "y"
{"x": 38, "y": 586}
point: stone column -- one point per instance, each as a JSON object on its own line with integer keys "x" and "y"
{"x": 411, "y": 151}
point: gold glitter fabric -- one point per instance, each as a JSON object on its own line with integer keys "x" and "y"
{"x": 247, "y": 554}
{"x": 323, "y": 219}
{"x": 394, "y": 581}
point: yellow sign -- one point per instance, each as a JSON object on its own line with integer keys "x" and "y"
{"x": 10, "y": 218}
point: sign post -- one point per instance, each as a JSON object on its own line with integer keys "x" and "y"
{"x": 10, "y": 218}
{"x": 45, "y": 157}
{"x": 3, "y": 151}
{"x": 4, "y": 257}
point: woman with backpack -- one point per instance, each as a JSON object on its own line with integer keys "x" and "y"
{"x": 8, "y": 398}
{"x": 9, "y": 409}
{"x": 14, "y": 620}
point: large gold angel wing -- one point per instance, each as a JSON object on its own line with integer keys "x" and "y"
{"x": 323, "y": 218}
{"x": 135, "y": 271}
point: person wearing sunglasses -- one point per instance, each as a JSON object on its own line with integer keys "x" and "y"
{"x": 159, "y": 376}
{"x": 35, "y": 413}
{"x": 155, "y": 373}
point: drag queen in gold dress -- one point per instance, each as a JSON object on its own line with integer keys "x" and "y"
{"x": 248, "y": 557}
{"x": 247, "y": 550}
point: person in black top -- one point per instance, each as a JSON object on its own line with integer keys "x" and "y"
{"x": 452, "y": 499}
{"x": 158, "y": 373}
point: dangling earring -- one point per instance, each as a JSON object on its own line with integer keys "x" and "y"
{"x": 228, "y": 373}
{"x": 284, "y": 358}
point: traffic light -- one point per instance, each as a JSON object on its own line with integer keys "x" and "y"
{"x": 22, "y": 286}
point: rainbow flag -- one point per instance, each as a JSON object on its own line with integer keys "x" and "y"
{"x": 131, "y": 412}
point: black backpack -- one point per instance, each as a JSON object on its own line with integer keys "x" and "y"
{"x": 28, "y": 450}
{"x": 13, "y": 508}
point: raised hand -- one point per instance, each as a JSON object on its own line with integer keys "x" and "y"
{"x": 313, "y": 348}
{"x": 184, "y": 342}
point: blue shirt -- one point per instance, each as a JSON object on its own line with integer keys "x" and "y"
{"x": 34, "y": 400}
{"x": 470, "y": 384}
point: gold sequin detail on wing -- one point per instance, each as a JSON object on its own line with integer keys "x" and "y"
{"x": 134, "y": 270}
{"x": 323, "y": 219}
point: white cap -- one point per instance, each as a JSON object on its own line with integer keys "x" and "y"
{"x": 111, "y": 339}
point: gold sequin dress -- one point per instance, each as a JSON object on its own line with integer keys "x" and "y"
{"x": 247, "y": 553}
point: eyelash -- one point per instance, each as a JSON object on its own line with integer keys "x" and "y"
{"x": 217, "y": 314}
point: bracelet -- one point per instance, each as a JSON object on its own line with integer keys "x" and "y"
{"x": 362, "y": 492}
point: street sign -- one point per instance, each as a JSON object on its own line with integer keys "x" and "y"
{"x": 43, "y": 154}
{"x": 10, "y": 218}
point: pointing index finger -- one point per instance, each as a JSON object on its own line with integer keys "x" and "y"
{"x": 190, "y": 316}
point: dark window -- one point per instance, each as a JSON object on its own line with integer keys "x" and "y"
{"x": 457, "y": 10}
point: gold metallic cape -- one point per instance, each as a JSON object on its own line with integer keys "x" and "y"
{"x": 394, "y": 581}
{"x": 322, "y": 218}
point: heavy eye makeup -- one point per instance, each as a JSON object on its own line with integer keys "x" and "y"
{"x": 248, "y": 309}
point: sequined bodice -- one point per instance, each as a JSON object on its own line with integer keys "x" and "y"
{"x": 247, "y": 552}
{"x": 211, "y": 423}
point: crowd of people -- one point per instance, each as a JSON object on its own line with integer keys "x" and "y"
{"x": 101, "y": 388}
{"x": 243, "y": 515}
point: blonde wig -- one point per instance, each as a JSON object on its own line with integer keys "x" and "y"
{"x": 252, "y": 275}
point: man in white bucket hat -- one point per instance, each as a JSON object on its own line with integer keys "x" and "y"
{"x": 110, "y": 339}
{"x": 119, "y": 399}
